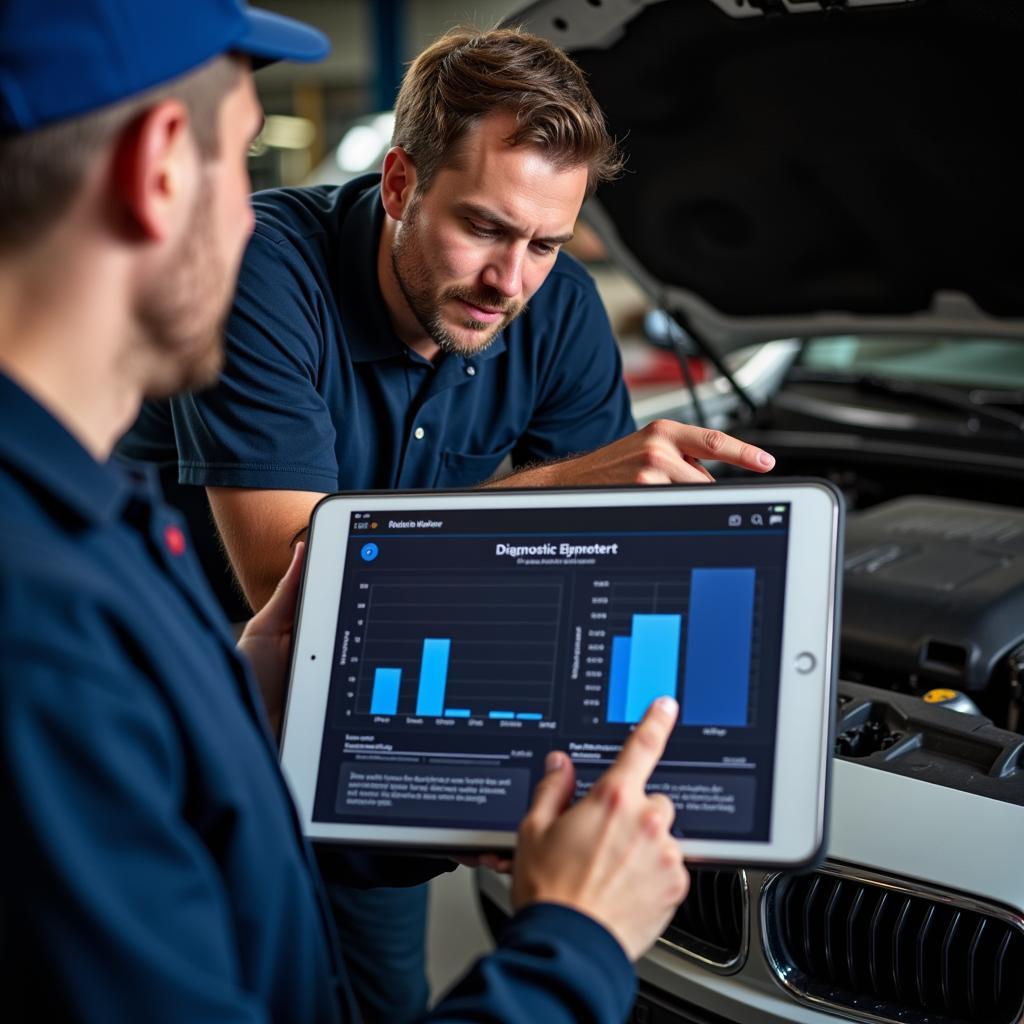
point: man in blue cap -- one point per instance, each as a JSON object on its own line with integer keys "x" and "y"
{"x": 155, "y": 868}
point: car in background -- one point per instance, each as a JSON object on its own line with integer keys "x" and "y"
{"x": 824, "y": 197}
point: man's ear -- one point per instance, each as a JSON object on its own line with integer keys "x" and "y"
{"x": 155, "y": 165}
{"x": 397, "y": 182}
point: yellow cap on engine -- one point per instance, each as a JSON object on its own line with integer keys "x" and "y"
{"x": 940, "y": 696}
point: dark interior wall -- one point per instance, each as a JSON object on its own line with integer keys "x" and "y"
{"x": 857, "y": 160}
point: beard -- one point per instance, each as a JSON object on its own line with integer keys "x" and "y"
{"x": 412, "y": 272}
{"x": 182, "y": 315}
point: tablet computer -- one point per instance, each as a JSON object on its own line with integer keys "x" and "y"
{"x": 446, "y": 641}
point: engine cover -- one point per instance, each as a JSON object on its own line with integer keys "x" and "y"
{"x": 933, "y": 594}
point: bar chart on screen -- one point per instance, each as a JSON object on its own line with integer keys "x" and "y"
{"x": 458, "y": 649}
{"x": 693, "y": 639}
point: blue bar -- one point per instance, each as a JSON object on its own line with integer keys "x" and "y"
{"x": 456, "y": 712}
{"x": 385, "y": 691}
{"x": 501, "y": 714}
{"x": 618, "y": 678}
{"x": 433, "y": 676}
{"x": 717, "y": 679}
{"x": 653, "y": 662}
{"x": 529, "y": 716}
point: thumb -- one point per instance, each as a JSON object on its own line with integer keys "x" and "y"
{"x": 554, "y": 791}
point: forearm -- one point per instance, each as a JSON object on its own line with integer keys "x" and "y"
{"x": 663, "y": 452}
{"x": 537, "y": 474}
{"x": 263, "y": 570}
{"x": 259, "y": 529}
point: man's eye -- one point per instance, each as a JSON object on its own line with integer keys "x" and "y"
{"x": 544, "y": 248}
{"x": 481, "y": 231}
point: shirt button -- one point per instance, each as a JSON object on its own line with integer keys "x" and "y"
{"x": 175, "y": 540}
{"x": 471, "y": 371}
{"x": 419, "y": 433}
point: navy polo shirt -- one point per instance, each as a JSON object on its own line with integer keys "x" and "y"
{"x": 319, "y": 394}
{"x": 154, "y": 867}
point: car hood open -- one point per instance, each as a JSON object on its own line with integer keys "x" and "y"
{"x": 810, "y": 167}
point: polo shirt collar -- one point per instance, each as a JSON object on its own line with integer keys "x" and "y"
{"x": 373, "y": 337}
{"x": 36, "y": 444}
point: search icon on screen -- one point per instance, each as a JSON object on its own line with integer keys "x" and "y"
{"x": 757, "y": 519}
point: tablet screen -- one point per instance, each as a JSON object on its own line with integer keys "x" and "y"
{"x": 470, "y": 642}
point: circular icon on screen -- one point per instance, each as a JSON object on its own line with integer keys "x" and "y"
{"x": 368, "y": 552}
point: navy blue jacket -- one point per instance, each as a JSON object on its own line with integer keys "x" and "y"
{"x": 154, "y": 867}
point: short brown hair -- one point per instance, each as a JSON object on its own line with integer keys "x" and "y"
{"x": 41, "y": 171}
{"x": 467, "y": 74}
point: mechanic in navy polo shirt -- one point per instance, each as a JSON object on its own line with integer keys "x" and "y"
{"x": 154, "y": 867}
{"x": 414, "y": 329}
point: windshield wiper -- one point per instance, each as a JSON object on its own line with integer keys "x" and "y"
{"x": 935, "y": 394}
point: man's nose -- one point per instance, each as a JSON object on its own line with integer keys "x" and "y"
{"x": 504, "y": 272}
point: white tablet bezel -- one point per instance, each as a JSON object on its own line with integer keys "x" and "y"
{"x": 806, "y": 698}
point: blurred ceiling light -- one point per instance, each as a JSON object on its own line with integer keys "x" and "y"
{"x": 385, "y": 124}
{"x": 363, "y": 143}
{"x": 284, "y": 132}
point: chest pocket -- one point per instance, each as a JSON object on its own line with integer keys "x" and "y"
{"x": 460, "y": 470}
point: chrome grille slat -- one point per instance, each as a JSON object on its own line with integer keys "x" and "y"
{"x": 738, "y": 911}
{"x": 972, "y": 972}
{"x": 1000, "y": 960}
{"x": 947, "y": 962}
{"x": 897, "y": 946}
{"x": 717, "y": 905}
{"x": 851, "y": 923}
{"x": 876, "y": 920}
{"x": 702, "y": 916}
{"x": 880, "y": 949}
{"x": 808, "y": 931}
{"x": 711, "y": 925}
{"x": 919, "y": 960}
{"x": 833, "y": 926}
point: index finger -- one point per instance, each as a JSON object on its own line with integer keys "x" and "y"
{"x": 703, "y": 443}
{"x": 641, "y": 753}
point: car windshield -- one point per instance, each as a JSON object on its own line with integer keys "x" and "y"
{"x": 991, "y": 363}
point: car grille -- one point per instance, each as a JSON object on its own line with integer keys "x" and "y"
{"x": 711, "y": 925}
{"x": 880, "y": 950}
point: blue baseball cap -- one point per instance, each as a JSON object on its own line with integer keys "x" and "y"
{"x": 62, "y": 58}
